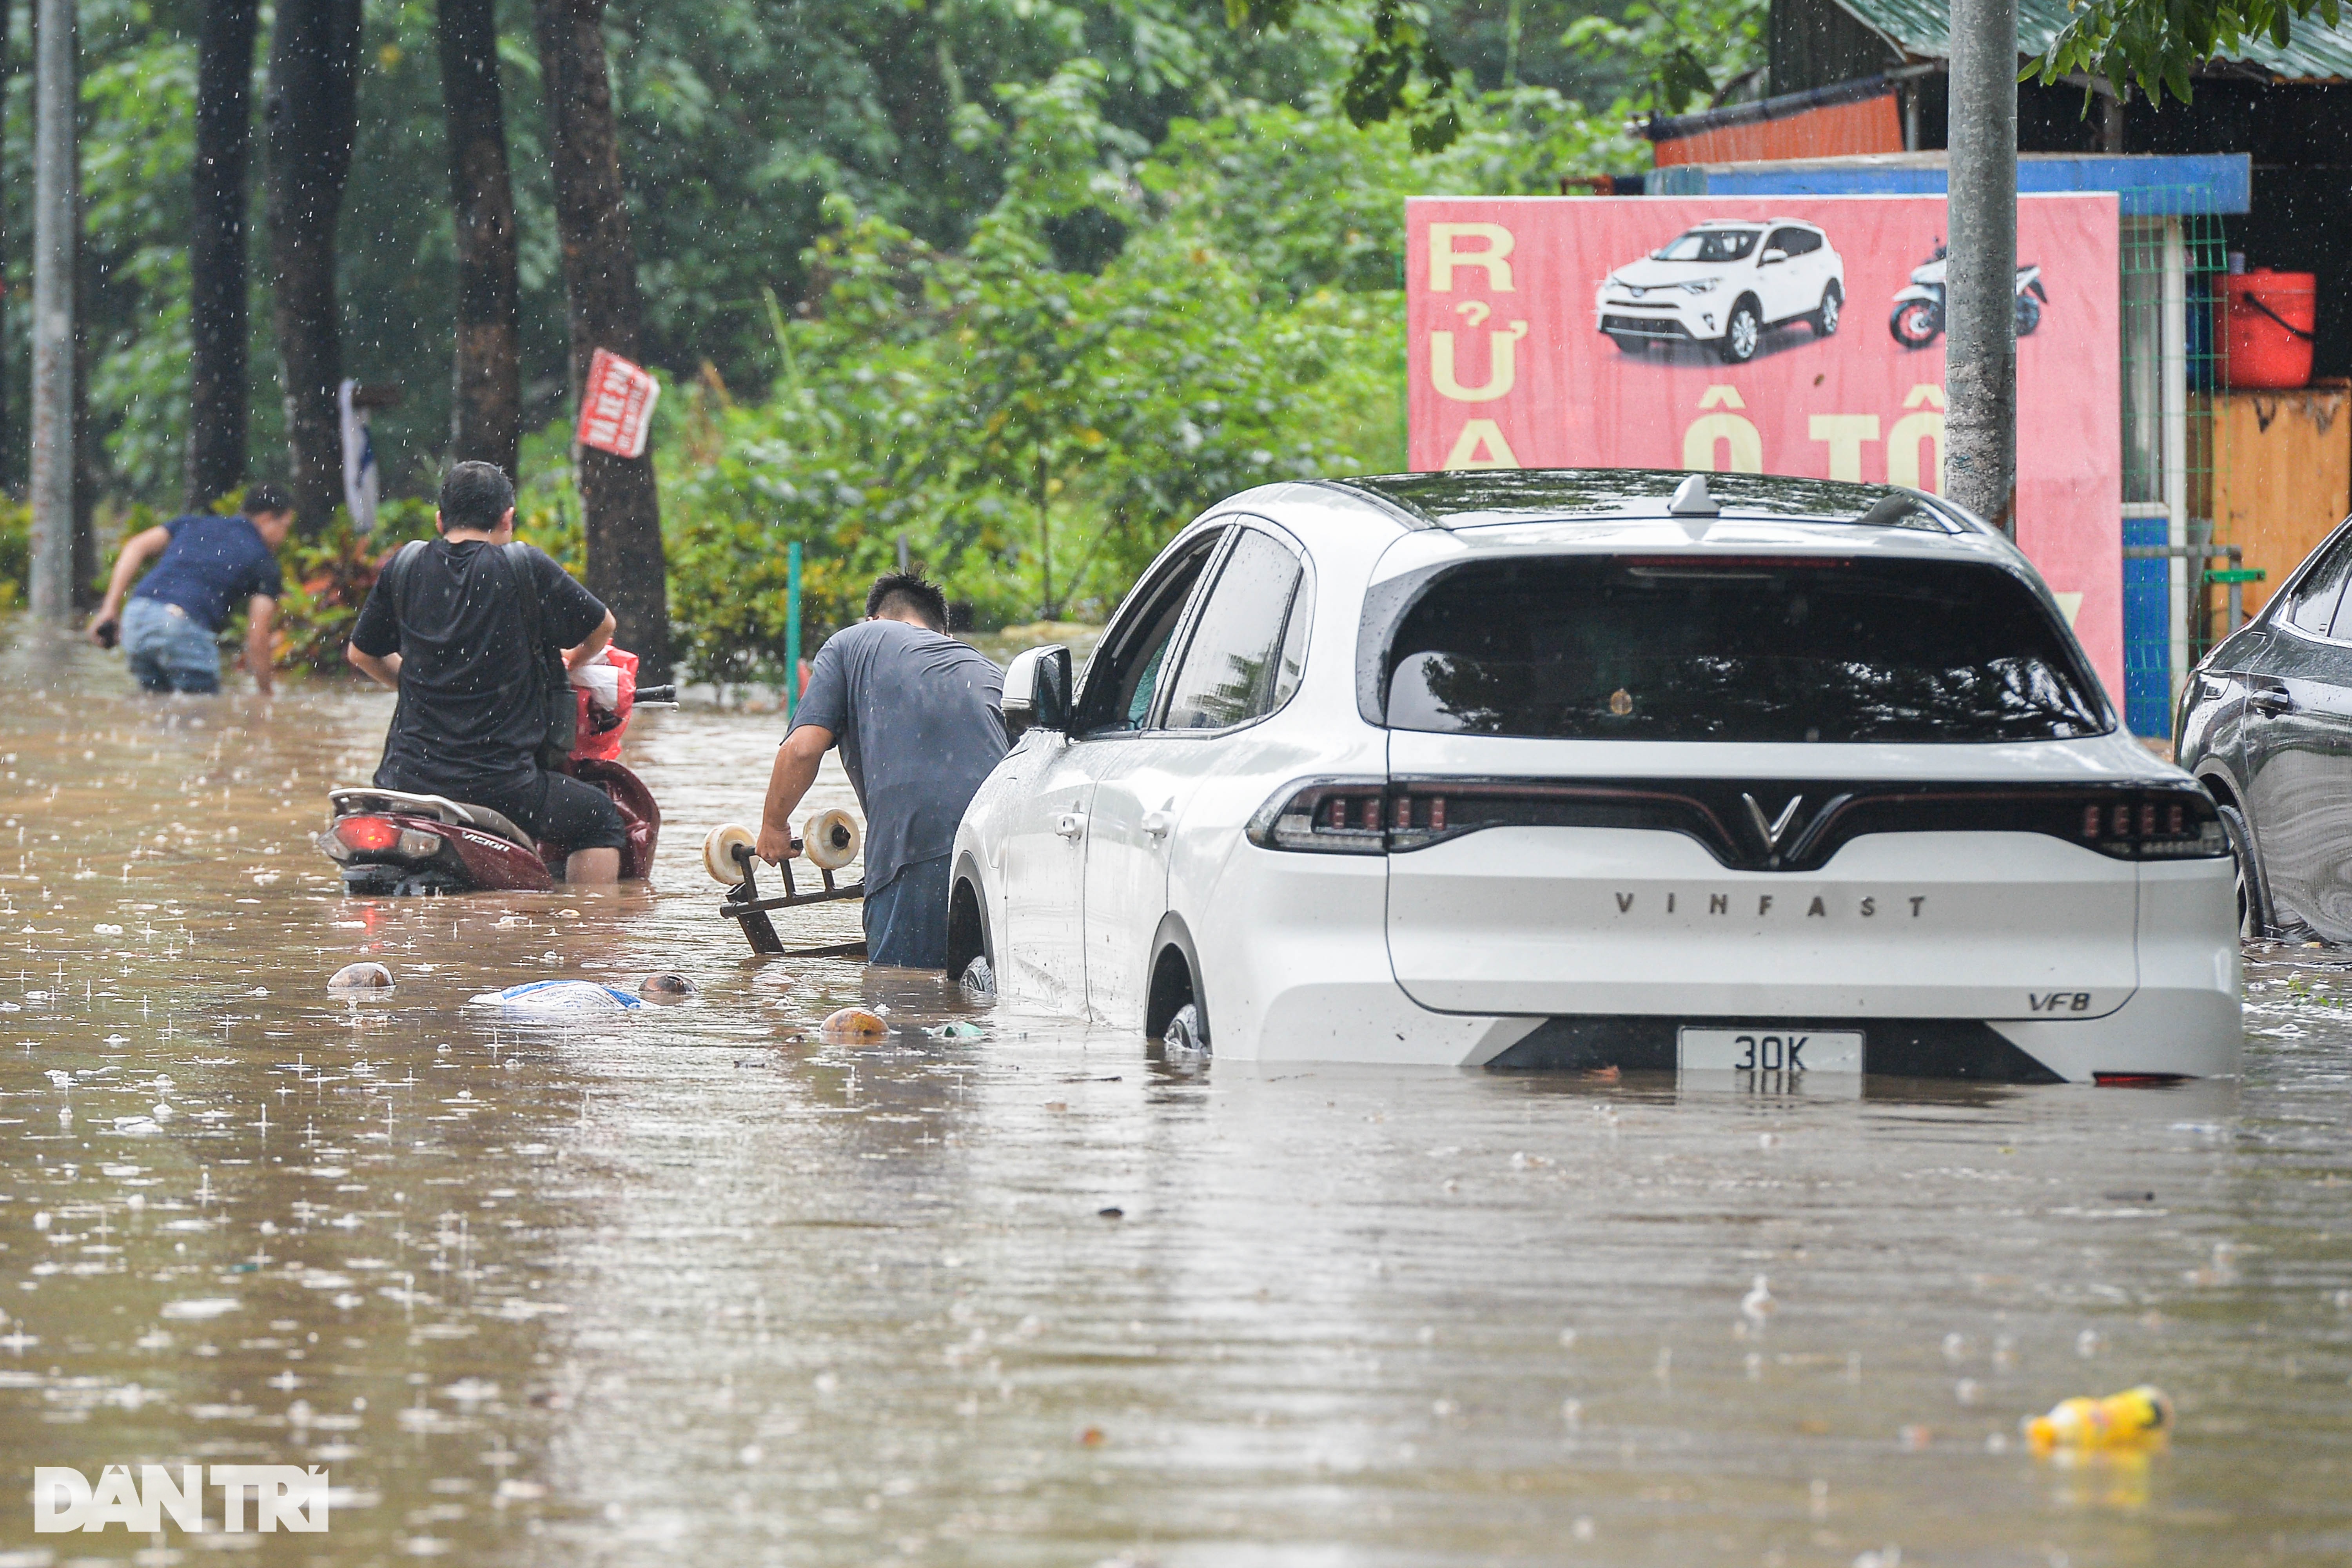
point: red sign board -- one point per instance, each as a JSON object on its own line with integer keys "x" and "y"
{"x": 616, "y": 409}
{"x": 1592, "y": 333}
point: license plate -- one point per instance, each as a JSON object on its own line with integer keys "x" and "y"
{"x": 1767, "y": 1050}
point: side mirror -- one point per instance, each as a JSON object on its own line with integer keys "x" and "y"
{"x": 1037, "y": 690}
{"x": 1771, "y": 258}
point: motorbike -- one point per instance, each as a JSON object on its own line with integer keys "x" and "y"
{"x": 1918, "y": 318}
{"x": 389, "y": 842}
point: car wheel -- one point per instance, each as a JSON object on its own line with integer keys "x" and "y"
{"x": 1915, "y": 323}
{"x": 1825, "y": 319}
{"x": 1741, "y": 334}
{"x": 1185, "y": 1035}
{"x": 2253, "y": 907}
{"x": 2029, "y": 315}
{"x": 1628, "y": 343}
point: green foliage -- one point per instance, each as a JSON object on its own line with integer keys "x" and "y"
{"x": 1686, "y": 51}
{"x": 328, "y": 578}
{"x": 1399, "y": 71}
{"x": 1038, "y": 433}
{"x": 1028, "y": 281}
{"x": 15, "y": 552}
{"x": 2154, "y": 44}
{"x": 738, "y": 131}
{"x": 737, "y": 124}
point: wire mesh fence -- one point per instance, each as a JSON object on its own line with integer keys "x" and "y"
{"x": 2172, "y": 356}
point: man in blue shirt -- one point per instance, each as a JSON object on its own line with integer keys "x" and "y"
{"x": 171, "y": 624}
{"x": 920, "y": 718}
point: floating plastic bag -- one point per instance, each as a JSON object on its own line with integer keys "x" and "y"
{"x": 557, "y": 998}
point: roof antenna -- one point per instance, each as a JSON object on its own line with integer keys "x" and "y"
{"x": 1690, "y": 500}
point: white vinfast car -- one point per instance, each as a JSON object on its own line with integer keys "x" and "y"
{"x": 1725, "y": 283}
{"x": 1593, "y": 769}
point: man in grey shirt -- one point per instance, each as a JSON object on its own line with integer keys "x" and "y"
{"x": 920, "y": 718}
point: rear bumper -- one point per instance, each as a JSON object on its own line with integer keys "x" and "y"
{"x": 1307, "y": 976}
{"x": 1900, "y": 1047}
{"x": 2159, "y": 1033}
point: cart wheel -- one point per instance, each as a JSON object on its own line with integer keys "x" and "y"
{"x": 831, "y": 839}
{"x": 719, "y": 853}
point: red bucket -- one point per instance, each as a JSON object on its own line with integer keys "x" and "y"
{"x": 2268, "y": 320}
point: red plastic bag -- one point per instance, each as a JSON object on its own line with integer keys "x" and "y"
{"x": 604, "y": 744}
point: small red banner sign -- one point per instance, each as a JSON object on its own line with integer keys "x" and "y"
{"x": 616, "y": 410}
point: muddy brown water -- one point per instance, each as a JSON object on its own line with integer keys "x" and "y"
{"x": 692, "y": 1287}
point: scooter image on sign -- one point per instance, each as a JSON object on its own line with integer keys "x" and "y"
{"x": 1918, "y": 318}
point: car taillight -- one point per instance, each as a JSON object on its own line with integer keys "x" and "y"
{"x": 1332, "y": 816}
{"x": 2153, "y": 825}
{"x": 1367, "y": 816}
{"x": 369, "y": 834}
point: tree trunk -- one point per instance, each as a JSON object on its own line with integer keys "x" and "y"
{"x": 87, "y": 475}
{"x": 57, "y": 194}
{"x": 621, "y": 513}
{"x": 7, "y": 77}
{"x": 218, "y": 392}
{"x": 311, "y": 116}
{"x": 485, "y": 413}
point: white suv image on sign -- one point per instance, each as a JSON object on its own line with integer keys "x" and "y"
{"x": 1598, "y": 769}
{"x": 1726, "y": 284}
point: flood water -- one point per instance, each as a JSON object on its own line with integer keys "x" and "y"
{"x": 689, "y": 1287}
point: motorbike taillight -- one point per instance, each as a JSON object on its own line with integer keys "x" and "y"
{"x": 370, "y": 835}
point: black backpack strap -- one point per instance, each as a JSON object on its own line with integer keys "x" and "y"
{"x": 546, "y": 657}
{"x": 398, "y": 570}
{"x": 517, "y": 560}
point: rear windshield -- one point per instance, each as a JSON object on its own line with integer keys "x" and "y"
{"x": 1665, "y": 649}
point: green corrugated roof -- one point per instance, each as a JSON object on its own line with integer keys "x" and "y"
{"x": 1923, "y": 28}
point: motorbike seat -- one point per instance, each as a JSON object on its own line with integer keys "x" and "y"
{"x": 355, "y": 799}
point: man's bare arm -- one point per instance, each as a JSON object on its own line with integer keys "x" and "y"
{"x": 593, "y": 645}
{"x": 136, "y": 552}
{"x": 259, "y": 614}
{"x": 796, "y": 764}
{"x": 384, "y": 671}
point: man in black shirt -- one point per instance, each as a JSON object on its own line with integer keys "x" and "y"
{"x": 445, "y": 626}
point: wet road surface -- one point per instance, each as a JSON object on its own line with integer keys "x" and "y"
{"x": 691, "y": 1287}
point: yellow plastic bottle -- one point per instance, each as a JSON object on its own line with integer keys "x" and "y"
{"x": 2136, "y": 1416}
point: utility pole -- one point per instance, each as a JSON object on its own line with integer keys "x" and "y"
{"x": 1980, "y": 265}
{"x": 55, "y": 191}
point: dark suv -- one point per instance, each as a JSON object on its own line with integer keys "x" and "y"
{"x": 2265, "y": 722}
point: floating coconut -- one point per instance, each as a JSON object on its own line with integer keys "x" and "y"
{"x": 361, "y": 977}
{"x": 855, "y": 1024}
{"x": 668, "y": 989}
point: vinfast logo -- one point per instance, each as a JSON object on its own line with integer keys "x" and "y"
{"x": 283, "y": 1497}
{"x": 1775, "y": 828}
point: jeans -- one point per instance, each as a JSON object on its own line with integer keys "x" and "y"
{"x": 907, "y": 922}
{"x": 169, "y": 651}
